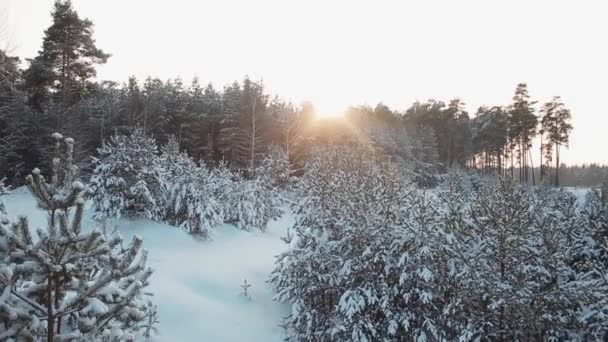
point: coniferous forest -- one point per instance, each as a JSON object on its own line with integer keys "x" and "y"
{"x": 428, "y": 223}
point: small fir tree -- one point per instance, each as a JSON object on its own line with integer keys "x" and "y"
{"x": 127, "y": 178}
{"x": 192, "y": 201}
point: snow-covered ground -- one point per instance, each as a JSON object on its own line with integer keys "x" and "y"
{"x": 196, "y": 284}
{"x": 579, "y": 192}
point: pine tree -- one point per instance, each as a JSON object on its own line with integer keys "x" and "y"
{"x": 191, "y": 192}
{"x": 251, "y": 203}
{"x": 450, "y": 125}
{"x": 67, "y": 60}
{"x": 595, "y": 216}
{"x": 386, "y": 135}
{"x": 201, "y": 134}
{"x": 332, "y": 272}
{"x": 275, "y": 169}
{"x": 480, "y": 258}
{"x": 424, "y": 153}
{"x": 522, "y": 127}
{"x": 68, "y": 283}
{"x": 456, "y": 253}
{"x": 104, "y": 114}
{"x": 127, "y": 178}
{"x": 489, "y": 130}
{"x": 132, "y": 106}
{"x": 155, "y": 118}
{"x": 9, "y": 77}
{"x": 292, "y": 124}
{"x": 17, "y": 124}
{"x": 556, "y": 126}
{"x": 415, "y": 250}
{"x": 244, "y": 128}
{"x": 459, "y": 133}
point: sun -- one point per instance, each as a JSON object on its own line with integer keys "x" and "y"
{"x": 329, "y": 114}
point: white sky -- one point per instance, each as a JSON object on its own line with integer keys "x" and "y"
{"x": 341, "y": 53}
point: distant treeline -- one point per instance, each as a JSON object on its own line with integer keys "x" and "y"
{"x": 586, "y": 175}
{"x": 57, "y": 92}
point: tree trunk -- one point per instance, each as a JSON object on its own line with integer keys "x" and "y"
{"x": 512, "y": 166}
{"x": 526, "y": 170}
{"x": 50, "y": 301}
{"x": 287, "y": 140}
{"x": 521, "y": 163}
{"x": 210, "y": 146}
{"x": 449, "y": 150}
{"x": 532, "y": 166}
{"x": 500, "y": 163}
{"x": 557, "y": 165}
{"x": 253, "y": 137}
{"x": 541, "y": 160}
{"x": 252, "y": 152}
{"x": 50, "y": 325}
{"x": 102, "y": 132}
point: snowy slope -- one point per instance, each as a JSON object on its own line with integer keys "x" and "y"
{"x": 197, "y": 284}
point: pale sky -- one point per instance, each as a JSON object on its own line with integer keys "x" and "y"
{"x": 341, "y": 53}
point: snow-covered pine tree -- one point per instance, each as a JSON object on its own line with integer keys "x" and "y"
{"x": 373, "y": 210}
{"x": 522, "y": 283}
{"x": 481, "y": 258}
{"x": 67, "y": 283}
{"x": 456, "y": 256}
{"x": 128, "y": 178}
{"x": 562, "y": 293}
{"x": 501, "y": 215}
{"x": 595, "y": 213}
{"x": 243, "y": 132}
{"x": 417, "y": 271}
{"x": 251, "y": 204}
{"x": 191, "y": 201}
{"x": 592, "y": 259}
{"x": 304, "y": 271}
{"x": 275, "y": 168}
{"x": 424, "y": 154}
{"x": 332, "y": 274}
{"x": 222, "y": 184}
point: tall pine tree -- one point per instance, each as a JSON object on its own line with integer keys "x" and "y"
{"x": 556, "y": 125}
{"x": 522, "y": 127}
{"x": 66, "y": 63}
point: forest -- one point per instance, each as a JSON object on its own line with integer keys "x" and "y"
{"x": 424, "y": 224}
{"x": 56, "y": 91}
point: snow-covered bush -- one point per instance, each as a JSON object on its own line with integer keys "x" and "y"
{"x": 425, "y": 159}
{"x": 251, "y": 204}
{"x": 128, "y": 178}
{"x": 458, "y": 182}
{"x": 192, "y": 201}
{"x": 66, "y": 282}
{"x": 131, "y": 178}
{"x": 275, "y": 168}
{"x": 596, "y": 209}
